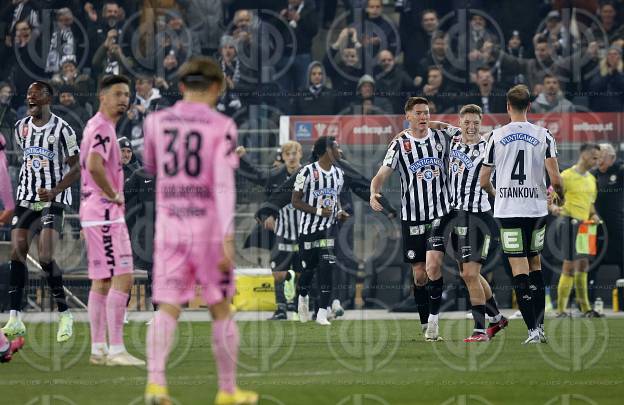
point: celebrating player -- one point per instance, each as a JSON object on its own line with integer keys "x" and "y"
{"x": 190, "y": 148}
{"x": 317, "y": 195}
{"x": 580, "y": 190}
{"x": 421, "y": 156}
{"x": 102, "y": 219}
{"x": 473, "y": 223}
{"x": 50, "y": 166}
{"x": 518, "y": 152}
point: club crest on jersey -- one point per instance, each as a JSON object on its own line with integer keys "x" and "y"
{"x": 428, "y": 174}
{"x": 51, "y": 139}
{"x": 411, "y": 254}
{"x": 407, "y": 145}
{"x": 439, "y": 147}
{"x": 475, "y": 153}
{"x": 457, "y": 168}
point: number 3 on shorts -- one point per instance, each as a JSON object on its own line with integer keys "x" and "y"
{"x": 511, "y": 239}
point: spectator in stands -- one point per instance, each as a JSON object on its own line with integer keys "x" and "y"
{"x": 229, "y": 102}
{"x": 83, "y": 87}
{"x": 129, "y": 162}
{"x": 176, "y": 36}
{"x": 438, "y": 91}
{"x": 62, "y": 42}
{"x": 608, "y": 25}
{"x": 72, "y": 112}
{"x": 515, "y": 49}
{"x": 25, "y": 64}
{"x": 486, "y": 94}
{"x": 110, "y": 59}
{"x": 366, "y": 103}
{"x": 479, "y": 36}
{"x": 551, "y": 99}
{"x": 244, "y": 27}
{"x": 147, "y": 99}
{"x": 8, "y": 117}
{"x": 391, "y": 80}
{"x": 342, "y": 63}
{"x": 22, "y": 10}
{"x": 167, "y": 79}
{"x": 112, "y": 18}
{"x": 316, "y": 98}
{"x": 440, "y": 52}
{"x": 421, "y": 34}
{"x": 301, "y": 18}
{"x": 205, "y": 20}
{"x": 557, "y": 35}
{"x": 376, "y": 32}
{"x": 607, "y": 88}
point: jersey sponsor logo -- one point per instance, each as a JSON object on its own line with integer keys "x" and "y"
{"x": 303, "y": 130}
{"x": 407, "y": 145}
{"x": 519, "y": 137}
{"x": 465, "y": 159}
{"x": 421, "y": 163}
{"x": 38, "y": 151}
{"x": 325, "y": 192}
{"x": 518, "y": 192}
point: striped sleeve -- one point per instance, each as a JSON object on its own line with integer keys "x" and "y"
{"x": 551, "y": 145}
{"x": 489, "y": 152}
{"x": 69, "y": 140}
{"x": 392, "y": 156}
{"x": 302, "y": 180}
{"x": 16, "y": 136}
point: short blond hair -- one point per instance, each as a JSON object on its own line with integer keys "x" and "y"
{"x": 471, "y": 109}
{"x": 292, "y": 145}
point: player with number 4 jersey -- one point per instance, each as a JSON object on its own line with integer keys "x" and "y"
{"x": 521, "y": 152}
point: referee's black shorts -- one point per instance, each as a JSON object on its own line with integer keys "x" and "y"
{"x": 522, "y": 236}
{"x": 419, "y": 237}
{"x": 567, "y": 231}
{"x": 471, "y": 235}
{"x": 35, "y": 216}
{"x": 285, "y": 255}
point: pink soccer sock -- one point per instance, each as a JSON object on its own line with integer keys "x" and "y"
{"x": 115, "y": 309}
{"x": 3, "y": 340}
{"x": 225, "y": 349}
{"x": 159, "y": 340}
{"x": 97, "y": 316}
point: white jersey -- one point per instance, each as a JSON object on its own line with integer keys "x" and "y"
{"x": 321, "y": 189}
{"x": 46, "y": 150}
{"x": 464, "y": 166}
{"x": 518, "y": 151}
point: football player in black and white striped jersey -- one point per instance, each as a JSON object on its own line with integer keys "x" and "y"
{"x": 473, "y": 224}
{"x": 421, "y": 154}
{"x": 49, "y": 168}
{"x": 316, "y": 195}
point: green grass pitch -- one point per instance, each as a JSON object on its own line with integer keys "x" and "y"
{"x": 366, "y": 362}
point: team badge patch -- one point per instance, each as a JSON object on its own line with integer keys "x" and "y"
{"x": 612, "y": 179}
{"x": 411, "y": 254}
{"x": 475, "y": 153}
{"x": 439, "y": 148}
{"x": 51, "y": 139}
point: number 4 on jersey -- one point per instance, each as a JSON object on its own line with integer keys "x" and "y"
{"x": 518, "y": 169}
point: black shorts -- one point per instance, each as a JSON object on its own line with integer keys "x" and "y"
{"x": 37, "y": 216}
{"x": 420, "y": 237}
{"x": 566, "y": 232}
{"x": 471, "y": 235}
{"x": 522, "y": 236}
{"x": 316, "y": 247}
{"x": 285, "y": 255}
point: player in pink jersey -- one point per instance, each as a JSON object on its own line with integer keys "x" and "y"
{"x": 190, "y": 148}
{"x": 102, "y": 220}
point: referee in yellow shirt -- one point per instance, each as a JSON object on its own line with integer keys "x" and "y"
{"x": 579, "y": 188}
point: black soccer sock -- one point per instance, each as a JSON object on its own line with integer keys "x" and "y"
{"x": 491, "y": 307}
{"x": 288, "y": 276}
{"x": 305, "y": 281}
{"x": 17, "y": 281}
{"x": 435, "y": 295}
{"x": 421, "y": 297}
{"x": 280, "y": 298}
{"x": 478, "y": 314}
{"x": 524, "y": 298}
{"x": 325, "y": 283}
{"x": 539, "y": 295}
{"x": 54, "y": 276}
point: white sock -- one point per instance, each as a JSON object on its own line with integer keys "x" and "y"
{"x": 424, "y": 326}
{"x": 99, "y": 348}
{"x": 432, "y": 318}
{"x": 497, "y": 318}
{"x": 116, "y": 349}
{"x": 321, "y": 314}
{"x": 14, "y": 314}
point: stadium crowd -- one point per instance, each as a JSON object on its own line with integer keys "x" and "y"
{"x": 306, "y": 57}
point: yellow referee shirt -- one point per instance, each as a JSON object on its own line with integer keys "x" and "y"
{"x": 579, "y": 192}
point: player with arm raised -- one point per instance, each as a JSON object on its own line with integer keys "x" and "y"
{"x": 521, "y": 152}
{"x": 49, "y": 168}
{"x": 102, "y": 218}
{"x": 420, "y": 154}
{"x": 190, "y": 148}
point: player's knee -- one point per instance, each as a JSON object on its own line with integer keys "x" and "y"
{"x": 45, "y": 258}
{"x": 470, "y": 276}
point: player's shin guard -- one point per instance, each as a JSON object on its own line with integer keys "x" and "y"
{"x": 97, "y": 318}
{"x": 325, "y": 282}
{"x": 435, "y": 288}
{"x": 478, "y": 314}
{"x": 17, "y": 281}
{"x": 225, "y": 342}
{"x": 539, "y": 295}
{"x": 54, "y": 276}
{"x": 491, "y": 307}
{"x": 160, "y": 336}
{"x": 115, "y": 309}
{"x": 524, "y": 298}
{"x": 421, "y": 298}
